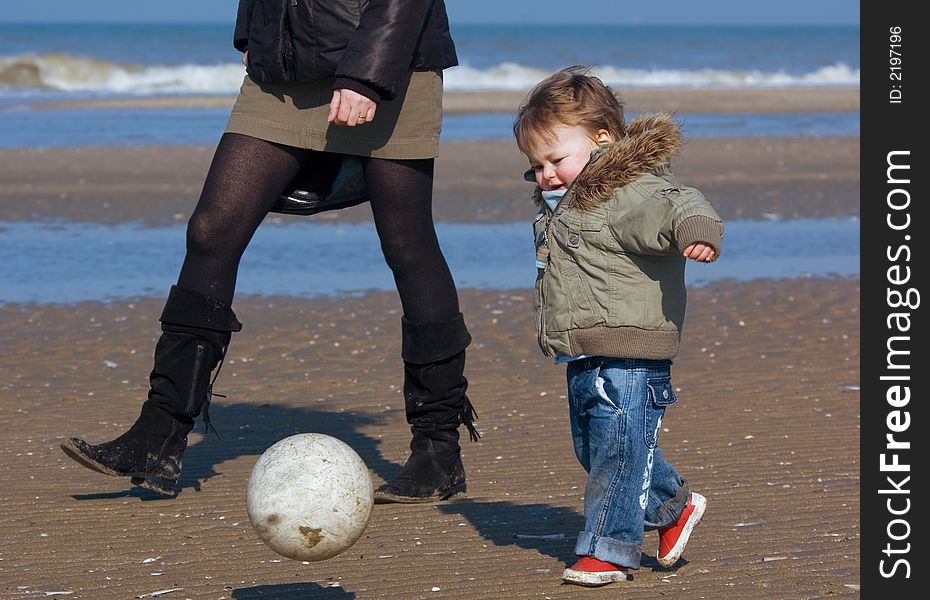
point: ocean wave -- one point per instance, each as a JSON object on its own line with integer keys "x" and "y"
{"x": 68, "y": 73}
{"x": 510, "y": 76}
{"x": 64, "y": 72}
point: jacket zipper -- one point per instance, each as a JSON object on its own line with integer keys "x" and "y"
{"x": 543, "y": 342}
{"x": 287, "y": 41}
{"x": 543, "y": 337}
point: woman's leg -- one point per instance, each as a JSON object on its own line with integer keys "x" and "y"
{"x": 401, "y": 195}
{"x": 434, "y": 335}
{"x": 245, "y": 178}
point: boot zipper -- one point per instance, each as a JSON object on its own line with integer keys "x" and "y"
{"x": 192, "y": 407}
{"x": 199, "y": 349}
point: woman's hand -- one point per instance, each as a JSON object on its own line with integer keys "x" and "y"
{"x": 350, "y": 108}
{"x": 245, "y": 58}
{"x": 700, "y": 252}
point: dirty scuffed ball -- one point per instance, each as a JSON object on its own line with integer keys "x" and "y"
{"x": 310, "y": 496}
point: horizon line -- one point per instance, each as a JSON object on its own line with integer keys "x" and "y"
{"x": 40, "y": 21}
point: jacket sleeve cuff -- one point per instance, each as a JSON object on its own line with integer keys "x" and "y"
{"x": 345, "y": 83}
{"x": 699, "y": 228}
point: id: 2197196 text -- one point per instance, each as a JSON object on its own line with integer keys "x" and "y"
{"x": 895, "y": 93}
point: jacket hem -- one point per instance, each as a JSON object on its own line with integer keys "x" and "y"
{"x": 625, "y": 342}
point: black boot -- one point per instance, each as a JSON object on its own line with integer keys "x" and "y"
{"x": 435, "y": 401}
{"x": 196, "y": 330}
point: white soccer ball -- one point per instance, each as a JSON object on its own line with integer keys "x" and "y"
{"x": 310, "y": 496}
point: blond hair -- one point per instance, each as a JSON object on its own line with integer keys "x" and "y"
{"x": 573, "y": 97}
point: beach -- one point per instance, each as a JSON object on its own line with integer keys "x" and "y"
{"x": 767, "y": 424}
{"x": 476, "y": 181}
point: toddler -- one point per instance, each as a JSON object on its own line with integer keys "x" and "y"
{"x": 613, "y": 233}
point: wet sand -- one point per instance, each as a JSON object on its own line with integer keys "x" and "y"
{"x": 767, "y": 425}
{"x": 475, "y": 181}
{"x": 747, "y": 100}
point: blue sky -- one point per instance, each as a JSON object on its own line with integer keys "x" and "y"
{"x": 818, "y": 12}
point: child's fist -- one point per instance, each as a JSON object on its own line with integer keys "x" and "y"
{"x": 700, "y": 252}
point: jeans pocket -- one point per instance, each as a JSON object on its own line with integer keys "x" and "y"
{"x": 660, "y": 391}
{"x": 660, "y": 395}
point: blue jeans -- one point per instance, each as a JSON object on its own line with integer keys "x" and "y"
{"x": 616, "y": 406}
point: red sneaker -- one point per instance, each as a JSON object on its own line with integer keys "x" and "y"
{"x": 591, "y": 572}
{"x": 674, "y": 538}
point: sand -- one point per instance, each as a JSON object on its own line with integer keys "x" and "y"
{"x": 746, "y": 100}
{"x": 767, "y": 426}
{"x": 475, "y": 181}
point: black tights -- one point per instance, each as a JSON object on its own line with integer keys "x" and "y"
{"x": 247, "y": 176}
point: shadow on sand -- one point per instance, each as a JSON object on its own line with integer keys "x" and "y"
{"x": 249, "y": 429}
{"x": 292, "y": 591}
{"x": 549, "y": 530}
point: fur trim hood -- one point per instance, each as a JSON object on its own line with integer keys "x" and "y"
{"x": 650, "y": 143}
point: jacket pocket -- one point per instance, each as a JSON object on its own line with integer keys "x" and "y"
{"x": 585, "y": 311}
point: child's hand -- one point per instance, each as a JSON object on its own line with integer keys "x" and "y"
{"x": 700, "y": 252}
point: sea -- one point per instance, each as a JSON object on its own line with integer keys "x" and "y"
{"x": 44, "y": 66}
{"x": 41, "y": 63}
{"x": 68, "y": 60}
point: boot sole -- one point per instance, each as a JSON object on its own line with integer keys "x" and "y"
{"x": 156, "y": 484}
{"x": 586, "y": 579}
{"x": 387, "y": 498}
{"x": 162, "y": 486}
{"x": 72, "y": 450}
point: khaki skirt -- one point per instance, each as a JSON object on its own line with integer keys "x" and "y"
{"x": 294, "y": 114}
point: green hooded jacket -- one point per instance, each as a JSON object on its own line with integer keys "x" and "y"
{"x": 613, "y": 284}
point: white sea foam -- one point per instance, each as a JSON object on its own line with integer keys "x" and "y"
{"x": 67, "y": 73}
{"x": 510, "y": 76}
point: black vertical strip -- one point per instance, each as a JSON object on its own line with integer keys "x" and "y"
{"x": 894, "y": 365}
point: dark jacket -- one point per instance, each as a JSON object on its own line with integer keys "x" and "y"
{"x": 366, "y": 45}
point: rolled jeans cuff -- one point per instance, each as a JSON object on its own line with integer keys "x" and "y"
{"x": 607, "y": 549}
{"x": 669, "y": 512}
